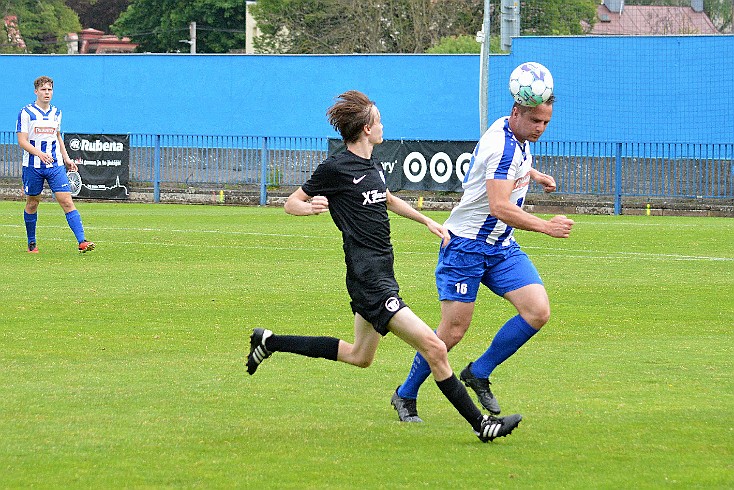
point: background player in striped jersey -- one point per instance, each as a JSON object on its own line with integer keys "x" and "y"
{"x": 482, "y": 250}
{"x": 45, "y": 158}
{"x": 351, "y": 186}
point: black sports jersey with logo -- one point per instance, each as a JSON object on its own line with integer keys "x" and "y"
{"x": 357, "y": 194}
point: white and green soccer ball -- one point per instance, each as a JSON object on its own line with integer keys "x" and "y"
{"x": 531, "y": 84}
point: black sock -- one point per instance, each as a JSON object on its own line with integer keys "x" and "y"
{"x": 456, "y": 393}
{"x": 320, "y": 347}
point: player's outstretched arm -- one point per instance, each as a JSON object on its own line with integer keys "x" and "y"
{"x": 402, "y": 208}
{"x": 499, "y": 192}
{"x": 301, "y": 204}
{"x": 559, "y": 226}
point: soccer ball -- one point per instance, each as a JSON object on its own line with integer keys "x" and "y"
{"x": 531, "y": 84}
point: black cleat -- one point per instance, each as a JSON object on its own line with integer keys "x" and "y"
{"x": 258, "y": 352}
{"x": 407, "y": 411}
{"x": 494, "y": 427}
{"x": 481, "y": 388}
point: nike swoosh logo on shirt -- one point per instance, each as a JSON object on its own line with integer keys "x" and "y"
{"x": 357, "y": 181}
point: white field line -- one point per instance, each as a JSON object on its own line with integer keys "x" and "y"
{"x": 547, "y": 251}
{"x": 176, "y": 230}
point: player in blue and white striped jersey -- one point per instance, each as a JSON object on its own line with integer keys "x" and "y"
{"x": 45, "y": 159}
{"x": 482, "y": 250}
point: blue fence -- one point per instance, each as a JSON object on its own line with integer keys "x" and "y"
{"x": 224, "y": 160}
{"x": 655, "y": 170}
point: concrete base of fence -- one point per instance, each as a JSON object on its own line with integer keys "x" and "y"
{"x": 578, "y": 204}
{"x": 430, "y": 201}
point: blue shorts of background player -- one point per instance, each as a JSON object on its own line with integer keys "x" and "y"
{"x": 463, "y": 265}
{"x": 33, "y": 179}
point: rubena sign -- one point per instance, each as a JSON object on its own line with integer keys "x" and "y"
{"x": 103, "y": 162}
{"x": 420, "y": 165}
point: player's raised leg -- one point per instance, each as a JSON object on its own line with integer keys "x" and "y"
{"x": 361, "y": 353}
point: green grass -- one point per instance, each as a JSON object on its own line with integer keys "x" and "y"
{"x": 124, "y": 367}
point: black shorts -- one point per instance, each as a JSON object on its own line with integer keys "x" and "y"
{"x": 378, "y": 309}
{"x": 372, "y": 287}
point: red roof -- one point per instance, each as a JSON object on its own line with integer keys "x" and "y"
{"x": 95, "y": 41}
{"x": 652, "y": 21}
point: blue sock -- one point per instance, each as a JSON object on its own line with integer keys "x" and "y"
{"x": 75, "y": 223}
{"x": 419, "y": 372}
{"x": 30, "y": 225}
{"x": 510, "y": 337}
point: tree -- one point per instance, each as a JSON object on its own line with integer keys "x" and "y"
{"x": 456, "y": 45}
{"x": 42, "y": 24}
{"x": 98, "y": 14}
{"x": 556, "y": 17}
{"x": 366, "y": 26}
{"x": 401, "y": 26}
{"x": 159, "y": 25}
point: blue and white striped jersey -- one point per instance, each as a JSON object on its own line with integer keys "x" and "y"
{"x": 497, "y": 155}
{"x": 43, "y": 129}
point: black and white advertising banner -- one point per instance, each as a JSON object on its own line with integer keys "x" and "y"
{"x": 103, "y": 162}
{"x": 421, "y": 165}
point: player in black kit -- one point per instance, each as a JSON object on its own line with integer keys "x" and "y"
{"x": 351, "y": 186}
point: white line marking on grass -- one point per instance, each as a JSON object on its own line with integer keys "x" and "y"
{"x": 179, "y": 230}
{"x": 597, "y": 254}
{"x": 646, "y": 257}
{"x": 645, "y": 224}
{"x": 601, "y": 255}
{"x": 549, "y": 251}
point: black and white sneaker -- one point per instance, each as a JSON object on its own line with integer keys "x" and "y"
{"x": 481, "y": 388}
{"x": 258, "y": 352}
{"x": 406, "y": 408}
{"x": 494, "y": 427}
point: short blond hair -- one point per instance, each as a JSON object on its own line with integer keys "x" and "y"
{"x": 40, "y": 81}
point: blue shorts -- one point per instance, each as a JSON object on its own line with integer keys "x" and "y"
{"x": 56, "y": 176}
{"x": 464, "y": 264}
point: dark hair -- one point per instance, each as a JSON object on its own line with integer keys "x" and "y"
{"x": 350, "y": 114}
{"x": 525, "y": 108}
{"x": 42, "y": 81}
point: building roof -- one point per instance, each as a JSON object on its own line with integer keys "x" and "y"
{"x": 96, "y": 41}
{"x": 651, "y": 21}
{"x": 11, "y": 26}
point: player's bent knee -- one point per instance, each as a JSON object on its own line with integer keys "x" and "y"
{"x": 538, "y": 318}
{"x": 452, "y": 338}
{"x": 363, "y": 363}
{"x": 435, "y": 351}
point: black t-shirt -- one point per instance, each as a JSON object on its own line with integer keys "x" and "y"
{"x": 357, "y": 194}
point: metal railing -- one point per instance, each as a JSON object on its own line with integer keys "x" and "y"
{"x": 674, "y": 170}
{"x": 225, "y": 160}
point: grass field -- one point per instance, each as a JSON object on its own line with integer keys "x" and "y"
{"x": 124, "y": 367}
